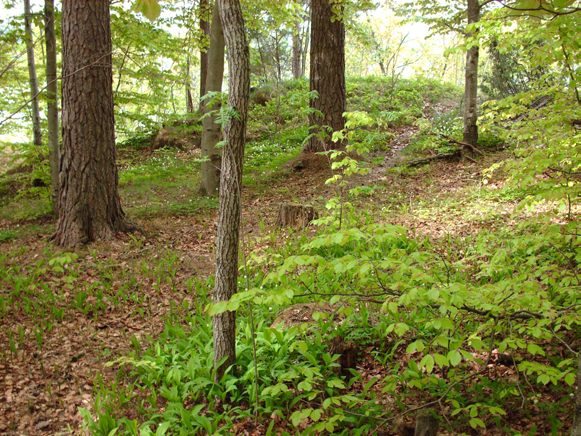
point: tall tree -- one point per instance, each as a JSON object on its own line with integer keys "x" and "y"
{"x": 453, "y": 16}
{"x": 327, "y": 75}
{"x": 52, "y": 102}
{"x": 470, "y": 134}
{"x": 32, "y": 74}
{"x": 224, "y": 324}
{"x": 204, "y": 13}
{"x": 300, "y": 40}
{"x": 211, "y": 131}
{"x": 89, "y": 206}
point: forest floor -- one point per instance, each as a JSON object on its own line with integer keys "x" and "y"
{"x": 67, "y": 314}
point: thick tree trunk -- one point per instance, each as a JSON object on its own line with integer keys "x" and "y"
{"x": 204, "y": 53}
{"x": 210, "y": 130}
{"x": 471, "y": 82}
{"x": 37, "y": 133}
{"x": 54, "y": 155}
{"x": 327, "y": 74}
{"x": 224, "y": 325}
{"x": 89, "y": 207}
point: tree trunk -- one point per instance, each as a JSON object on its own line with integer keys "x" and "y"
{"x": 327, "y": 74}
{"x": 210, "y": 130}
{"x": 54, "y": 155}
{"x": 224, "y": 324}
{"x": 576, "y": 430}
{"x": 205, "y": 28}
{"x": 89, "y": 207}
{"x": 471, "y": 82}
{"x": 189, "y": 101}
{"x": 297, "y": 50}
{"x": 37, "y": 133}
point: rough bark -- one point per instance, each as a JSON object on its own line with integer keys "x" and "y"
{"x": 224, "y": 325}
{"x": 54, "y": 155}
{"x": 327, "y": 75}
{"x": 211, "y": 131}
{"x": 292, "y": 215}
{"x": 576, "y": 430}
{"x": 37, "y": 133}
{"x": 471, "y": 82}
{"x": 204, "y": 52}
{"x": 89, "y": 206}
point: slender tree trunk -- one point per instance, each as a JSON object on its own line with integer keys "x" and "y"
{"x": 54, "y": 154}
{"x": 210, "y": 130}
{"x": 204, "y": 54}
{"x": 297, "y": 50}
{"x": 189, "y": 101}
{"x": 576, "y": 430}
{"x": 89, "y": 207}
{"x": 224, "y": 325}
{"x": 327, "y": 74}
{"x": 37, "y": 133}
{"x": 471, "y": 82}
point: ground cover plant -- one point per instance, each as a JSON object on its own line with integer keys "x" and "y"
{"x": 434, "y": 291}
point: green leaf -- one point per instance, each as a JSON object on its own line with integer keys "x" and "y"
{"x": 441, "y": 360}
{"x": 149, "y": 8}
{"x": 428, "y": 363}
{"x": 570, "y": 379}
{"x": 535, "y": 349}
{"x": 477, "y": 422}
{"x": 454, "y": 357}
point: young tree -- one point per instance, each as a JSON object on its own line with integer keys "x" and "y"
{"x": 224, "y": 324}
{"x": 32, "y": 75}
{"x": 300, "y": 40}
{"x": 445, "y": 17}
{"x": 204, "y": 13}
{"x": 52, "y": 103}
{"x": 327, "y": 75}
{"x": 470, "y": 134}
{"x": 211, "y": 131}
{"x": 89, "y": 206}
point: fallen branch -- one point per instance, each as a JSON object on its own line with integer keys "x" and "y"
{"x": 465, "y": 144}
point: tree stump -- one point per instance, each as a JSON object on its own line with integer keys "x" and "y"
{"x": 295, "y": 215}
{"x": 348, "y": 355}
{"x": 427, "y": 423}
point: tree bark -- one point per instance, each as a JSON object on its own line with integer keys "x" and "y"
{"x": 89, "y": 207}
{"x": 327, "y": 75}
{"x": 297, "y": 50}
{"x": 54, "y": 155}
{"x": 471, "y": 82}
{"x": 189, "y": 100}
{"x": 210, "y": 130}
{"x": 37, "y": 133}
{"x": 224, "y": 324}
{"x": 293, "y": 214}
{"x": 204, "y": 53}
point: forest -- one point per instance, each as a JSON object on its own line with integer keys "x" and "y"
{"x": 290, "y": 217}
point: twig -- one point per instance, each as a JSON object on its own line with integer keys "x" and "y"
{"x": 251, "y": 322}
{"x": 48, "y": 84}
